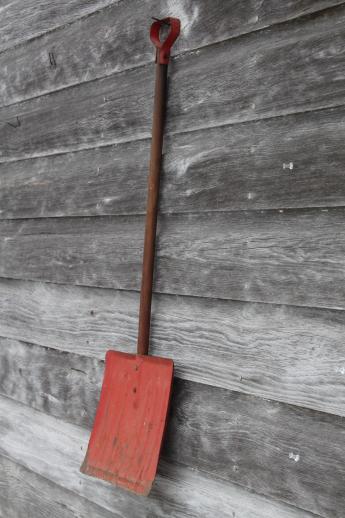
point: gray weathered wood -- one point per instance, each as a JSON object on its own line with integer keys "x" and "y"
{"x": 62, "y": 384}
{"x": 295, "y": 161}
{"x": 22, "y": 21}
{"x": 264, "y": 74}
{"x": 54, "y": 449}
{"x": 93, "y": 182}
{"x": 290, "y": 257}
{"x": 274, "y": 449}
{"x": 116, "y": 39}
{"x": 67, "y": 385}
{"x": 26, "y": 494}
{"x": 289, "y": 354}
{"x": 285, "y": 452}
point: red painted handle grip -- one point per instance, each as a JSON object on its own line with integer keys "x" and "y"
{"x": 163, "y": 47}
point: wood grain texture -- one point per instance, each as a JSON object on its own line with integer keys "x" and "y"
{"x": 295, "y": 161}
{"x": 115, "y": 39}
{"x": 21, "y": 22}
{"x": 274, "y": 449}
{"x": 58, "y": 383}
{"x": 23, "y": 493}
{"x": 289, "y": 257}
{"x": 289, "y": 354}
{"x": 284, "y": 452}
{"x": 264, "y": 74}
{"x": 178, "y": 491}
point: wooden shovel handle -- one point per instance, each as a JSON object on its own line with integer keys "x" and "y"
{"x": 154, "y": 178}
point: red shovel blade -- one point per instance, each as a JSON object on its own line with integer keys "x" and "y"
{"x": 130, "y": 420}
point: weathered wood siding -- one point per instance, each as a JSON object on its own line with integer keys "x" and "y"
{"x": 249, "y": 286}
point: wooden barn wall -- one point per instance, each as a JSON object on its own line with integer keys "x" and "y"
{"x": 249, "y": 286}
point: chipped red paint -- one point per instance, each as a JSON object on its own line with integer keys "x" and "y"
{"x": 129, "y": 425}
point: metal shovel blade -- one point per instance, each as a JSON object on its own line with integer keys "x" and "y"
{"x": 130, "y": 420}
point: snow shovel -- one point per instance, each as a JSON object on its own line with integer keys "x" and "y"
{"x": 128, "y": 430}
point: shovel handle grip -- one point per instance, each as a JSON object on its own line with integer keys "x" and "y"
{"x": 164, "y": 47}
{"x": 162, "y": 59}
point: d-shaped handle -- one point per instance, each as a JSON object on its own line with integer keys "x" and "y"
{"x": 163, "y": 47}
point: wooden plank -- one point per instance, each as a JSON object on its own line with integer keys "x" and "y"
{"x": 68, "y": 385}
{"x": 82, "y": 183}
{"x": 58, "y": 383}
{"x": 60, "y": 454}
{"x": 284, "y": 257}
{"x": 243, "y": 79}
{"x": 295, "y": 161}
{"x": 24, "y": 493}
{"x": 116, "y": 39}
{"x": 280, "y": 450}
{"x": 21, "y": 22}
{"x": 289, "y": 354}
{"x": 275, "y": 449}
{"x": 271, "y": 448}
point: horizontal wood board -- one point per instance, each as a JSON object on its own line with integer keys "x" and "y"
{"x": 23, "y": 493}
{"x": 177, "y": 490}
{"x": 264, "y": 74}
{"x": 289, "y": 354}
{"x": 117, "y": 38}
{"x": 21, "y": 22}
{"x": 274, "y": 449}
{"x": 290, "y": 162}
{"x": 289, "y": 257}
{"x": 58, "y": 383}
